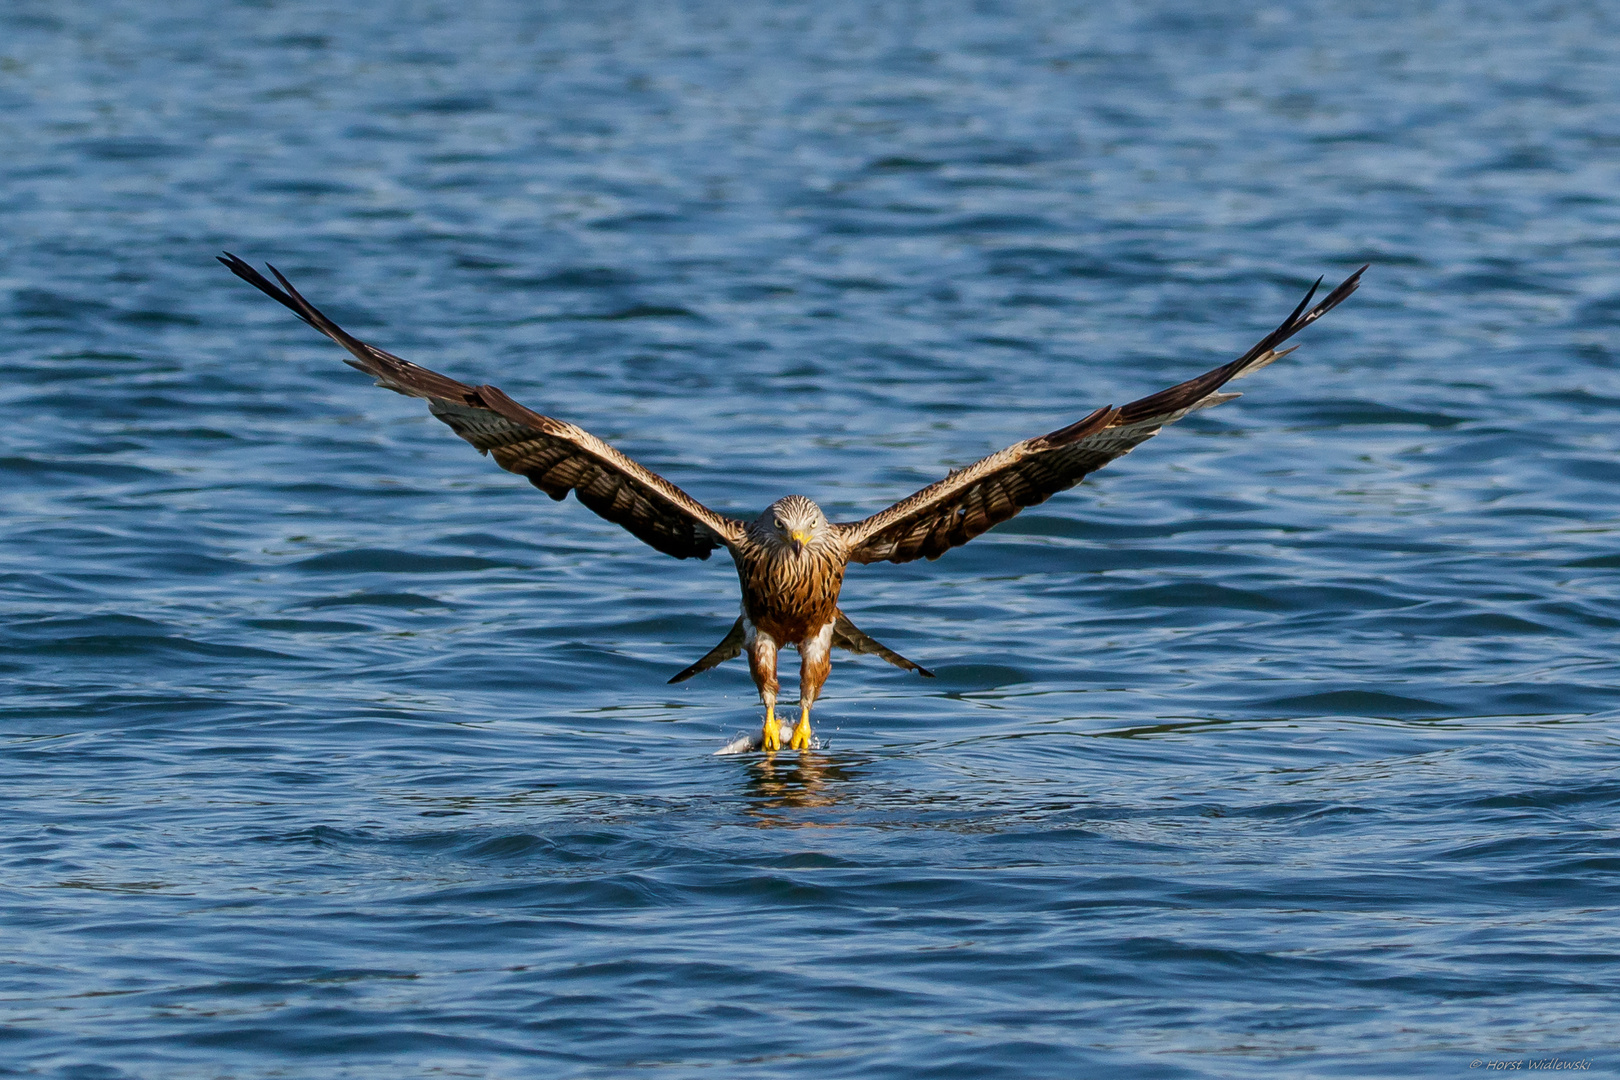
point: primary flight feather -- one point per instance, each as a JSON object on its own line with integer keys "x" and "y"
{"x": 790, "y": 560}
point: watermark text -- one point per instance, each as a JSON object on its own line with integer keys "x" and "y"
{"x": 1552, "y": 1064}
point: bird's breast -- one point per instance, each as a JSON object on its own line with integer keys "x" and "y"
{"x": 791, "y": 597}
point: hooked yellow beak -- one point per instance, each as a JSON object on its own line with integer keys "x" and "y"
{"x": 800, "y": 538}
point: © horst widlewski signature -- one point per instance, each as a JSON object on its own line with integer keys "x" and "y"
{"x": 1555, "y": 1064}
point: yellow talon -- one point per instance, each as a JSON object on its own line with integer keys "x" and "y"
{"x": 771, "y": 736}
{"x": 801, "y": 732}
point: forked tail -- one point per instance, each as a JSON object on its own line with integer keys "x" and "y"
{"x": 846, "y": 635}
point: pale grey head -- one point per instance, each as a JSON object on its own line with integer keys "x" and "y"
{"x": 791, "y": 523}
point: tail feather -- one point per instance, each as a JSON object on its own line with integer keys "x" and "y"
{"x": 731, "y": 645}
{"x": 846, "y": 635}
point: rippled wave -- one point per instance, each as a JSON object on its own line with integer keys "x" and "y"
{"x": 1286, "y": 745}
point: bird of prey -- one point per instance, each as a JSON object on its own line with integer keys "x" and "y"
{"x": 790, "y": 559}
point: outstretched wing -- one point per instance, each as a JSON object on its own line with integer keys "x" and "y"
{"x": 557, "y": 457}
{"x": 988, "y": 492}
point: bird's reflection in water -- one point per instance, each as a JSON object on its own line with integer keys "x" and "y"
{"x": 796, "y": 781}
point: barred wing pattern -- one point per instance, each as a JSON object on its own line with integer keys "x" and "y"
{"x": 556, "y": 456}
{"x": 969, "y": 501}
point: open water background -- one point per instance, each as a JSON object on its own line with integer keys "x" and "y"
{"x": 1284, "y": 747}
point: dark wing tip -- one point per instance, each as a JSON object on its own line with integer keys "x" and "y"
{"x": 1193, "y": 390}
{"x": 244, "y": 270}
{"x": 1342, "y": 290}
{"x": 924, "y": 672}
{"x": 1301, "y": 318}
{"x": 372, "y": 361}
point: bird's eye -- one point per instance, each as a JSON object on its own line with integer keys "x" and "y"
{"x": 779, "y": 524}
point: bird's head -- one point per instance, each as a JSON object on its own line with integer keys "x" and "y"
{"x": 792, "y": 523}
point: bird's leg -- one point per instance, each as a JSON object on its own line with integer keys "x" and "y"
{"x": 815, "y": 661}
{"x": 762, "y": 666}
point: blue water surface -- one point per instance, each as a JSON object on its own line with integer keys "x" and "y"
{"x": 1286, "y": 746}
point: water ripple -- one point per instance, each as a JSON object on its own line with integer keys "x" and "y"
{"x": 1284, "y": 745}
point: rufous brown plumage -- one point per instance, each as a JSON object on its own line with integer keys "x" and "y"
{"x": 790, "y": 560}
